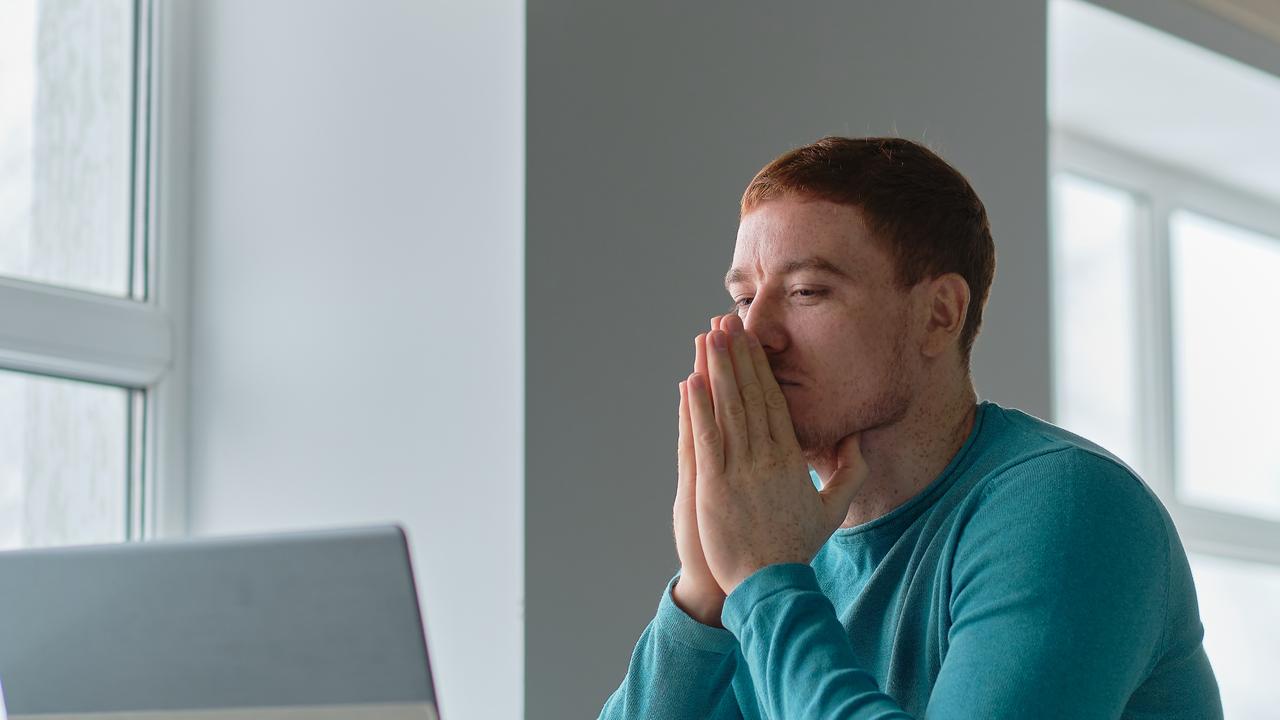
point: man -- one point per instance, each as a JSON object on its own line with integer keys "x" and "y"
{"x": 961, "y": 559}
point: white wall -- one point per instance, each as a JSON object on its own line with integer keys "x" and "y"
{"x": 357, "y": 317}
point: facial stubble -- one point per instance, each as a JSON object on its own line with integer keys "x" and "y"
{"x": 888, "y": 402}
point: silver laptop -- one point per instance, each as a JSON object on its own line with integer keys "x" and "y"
{"x": 301, "y": 626}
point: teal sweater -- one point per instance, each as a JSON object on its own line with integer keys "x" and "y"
{"x": 1037, "y": 576}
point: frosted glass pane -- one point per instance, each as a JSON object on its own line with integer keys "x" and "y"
{"x": 66, "y": 98}
{"x": 1227, "y": 365}
{"x": 1093, "y": 313}
{"x": 63, "y": 462}
{"x": 1240, "y": 609}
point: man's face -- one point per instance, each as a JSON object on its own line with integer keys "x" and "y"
{"x": 809, "y": 281}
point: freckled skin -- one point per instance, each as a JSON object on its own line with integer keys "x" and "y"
{"x": 870, "y": 357}
{"x": 870, "y": 390}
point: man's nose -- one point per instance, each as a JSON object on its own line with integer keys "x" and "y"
{"x": 762, "y": 319}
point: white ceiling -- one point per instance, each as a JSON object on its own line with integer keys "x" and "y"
{"x": 1260, "y": 16}
{"x": 1129, "y": 85}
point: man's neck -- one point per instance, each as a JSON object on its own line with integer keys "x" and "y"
{"x": 905, "y": 457}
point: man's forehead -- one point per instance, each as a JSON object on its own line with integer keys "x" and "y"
{"x": 789, "y": 235}
{"x": 747, "y": 271}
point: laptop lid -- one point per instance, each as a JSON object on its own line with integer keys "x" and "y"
{"x": 299, "y": 626}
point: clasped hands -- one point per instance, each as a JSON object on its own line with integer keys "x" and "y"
{"x": 744, "y": 498}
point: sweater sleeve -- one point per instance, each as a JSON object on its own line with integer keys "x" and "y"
{"x": 1058, "y": 597}
{"x": 679, "y": 669}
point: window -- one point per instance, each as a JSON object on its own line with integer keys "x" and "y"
{"x": 1226, "y": 352}
{"x": 64, "y": 461}
{"x": 1165, "y": 251}
{"x": 90, "y": 372}
{"x": 1238, "y": 602}
{"x": 66, "y": 119}
{"x": 1094, "y": 263}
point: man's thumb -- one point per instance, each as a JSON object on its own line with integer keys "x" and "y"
{"x": 851, "y": 472}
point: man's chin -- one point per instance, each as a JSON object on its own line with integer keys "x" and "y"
{"x": 819, "y": 442}
{"x": 818, "y": 456}
{"x": 813, "y": 441}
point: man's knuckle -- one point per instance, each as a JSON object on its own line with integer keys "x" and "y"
{"x": 709, "y": 437}
{"x": 776, "y": 399}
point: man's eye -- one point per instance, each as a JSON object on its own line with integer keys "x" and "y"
{"x": 742, "y": 302}
{"x": 808, "y": 292}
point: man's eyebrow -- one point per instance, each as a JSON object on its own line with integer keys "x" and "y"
{"x": 815, "y": 263}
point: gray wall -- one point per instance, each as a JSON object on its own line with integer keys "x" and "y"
{"x": 645, "y": 121}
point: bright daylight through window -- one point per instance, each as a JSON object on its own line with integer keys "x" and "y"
{"x": 1224, "y": 294}
{"x": 77, "y": 333}
{"x": 1165, "y": 259}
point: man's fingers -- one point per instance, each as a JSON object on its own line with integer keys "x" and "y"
{"x": 845, "y": 481}
{"x": 708, "y": 441}
{"x": 685, "y": 460}
{"x": 700, "y": 350}
{"x": 727, "y": 401}
{"x": 757, "y": 416}
{"x": 700, "y": 354}
{"x": 775, "y": 402}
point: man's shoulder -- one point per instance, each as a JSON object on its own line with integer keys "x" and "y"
{"x": 1033, "y": 466}
{"x": 1022, "y": 437}
{"x": 1020, "y": 445}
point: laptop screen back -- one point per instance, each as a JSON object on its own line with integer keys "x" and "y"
{"x": 300, "y": 626}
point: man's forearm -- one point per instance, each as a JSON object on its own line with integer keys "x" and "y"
{"x": 795, "y": 648}
{"x": 680, "y": 668}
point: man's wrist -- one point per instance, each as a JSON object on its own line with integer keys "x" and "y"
{"x": 701, "y": 604}
{"x": 762, "y": 586}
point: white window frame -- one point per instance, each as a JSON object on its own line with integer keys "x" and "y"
{"x": 1160, "y": 190}
{"x": 136, "y": 344}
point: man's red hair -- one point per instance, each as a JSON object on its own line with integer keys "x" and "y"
{"x": 923, "y": 210}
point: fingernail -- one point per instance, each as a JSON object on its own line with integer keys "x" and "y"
{"x": 696, "y": 381}
{"x": 720, "y": 340}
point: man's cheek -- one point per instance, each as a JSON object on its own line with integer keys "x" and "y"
{"x": 800, "y": 404}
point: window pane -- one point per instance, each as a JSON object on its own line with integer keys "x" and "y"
{"x": 1226, "y": 355}
{"x": 66, "y": 99}
{"x": 1240, "y": 609}
{"x": 1094, "y": 330}
{"x": 63, "y": 462}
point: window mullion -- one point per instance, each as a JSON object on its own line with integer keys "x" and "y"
{"x": 66, "y": 333}
{"x": 141, "y": 192}
{"x": 169, "y": 30}
{"x": 139, "y": 486}
{"x": 1156, "y": 346}
{"x": 1227, "y": 534}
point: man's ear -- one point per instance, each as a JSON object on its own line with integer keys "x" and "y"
{"x": 946, "y": 304}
